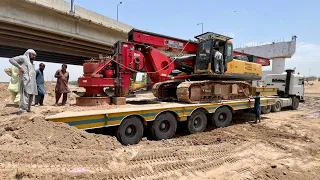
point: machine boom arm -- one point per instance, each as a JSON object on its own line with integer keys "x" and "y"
{"x": 162, "y": 42}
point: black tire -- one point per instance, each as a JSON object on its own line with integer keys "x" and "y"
{"x": 130, "y": 131}
{"x": 222, "y": 117}
{"x": 276, "y": 107}
{"x": 295, "y": 103}
{"x": 164, "y": 126}
{"x": 266, "y": 109}
{"x": 197, "y": 122}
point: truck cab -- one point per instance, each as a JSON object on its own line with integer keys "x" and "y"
{"x": 290, "y": 90}
{"x": 288, "y": 84}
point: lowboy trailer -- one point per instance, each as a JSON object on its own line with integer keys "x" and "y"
{"x": 159, "y": 121}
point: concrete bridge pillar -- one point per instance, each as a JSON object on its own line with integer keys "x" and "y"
{"x": 278, "y": 65}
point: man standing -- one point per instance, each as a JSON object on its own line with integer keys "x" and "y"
{"x": 28, "y": 86}
{"x": 13, "y": 87}
{"x": 257, "y": 108}
{"x": 218, "y": 59}
{"x": 62, "y": 76}
{"x": 40, "y": 84}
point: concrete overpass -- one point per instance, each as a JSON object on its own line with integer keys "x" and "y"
{"x": 56, "y": 34}
{"x": 277, "y": 52}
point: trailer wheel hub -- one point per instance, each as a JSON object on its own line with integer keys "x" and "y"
{"x": 197, "y": 122}
{"x": 164, "y": 126}
{"x": 222, "y": 117}
{"x": 130, "y": 131}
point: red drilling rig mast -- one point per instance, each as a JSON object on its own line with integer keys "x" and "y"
{"x": 146, "y": 52}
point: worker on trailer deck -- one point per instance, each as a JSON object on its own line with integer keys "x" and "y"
{"x": 62, "y": 76}
{"x": 28, "y": 86}
{"x": 13, "y": 87}
{"x": 40, "y": 85}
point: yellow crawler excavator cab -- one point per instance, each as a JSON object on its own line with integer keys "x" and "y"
{"x": 207, "y": 54}
{"x": 215, "y": 56}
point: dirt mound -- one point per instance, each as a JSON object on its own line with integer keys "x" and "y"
{"x": 212, "y": 137}
{"x": 5, "y": 95}
{"x": 285, "y": 172}
{"x": 48, "y": 133}
{"x": 50, "y": 97}
{"x": 32, "y": 147}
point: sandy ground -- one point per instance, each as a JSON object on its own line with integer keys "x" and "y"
{"x": 285, "y": 145}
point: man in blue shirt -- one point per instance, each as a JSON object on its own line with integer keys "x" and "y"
{"x": 40, "y": 84}
{"x": 257, "y": 108}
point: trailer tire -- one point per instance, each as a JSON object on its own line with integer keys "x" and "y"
{"x": 130, "y": 131}
{"x": 276, "y": 107}
{"x": 197, "y": 122}
{"x": 295, "y": 103}
{"x": 164, "y": 126}
{"x": 222, "y": 117}
{"x": 266, "y": 109}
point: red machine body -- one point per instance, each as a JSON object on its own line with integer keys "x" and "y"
{"x": 112, "y": 72}
{"x": 141, "y": 53}
{"x": 92, "y": 79}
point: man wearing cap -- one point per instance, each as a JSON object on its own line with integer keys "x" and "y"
{"x": 40, "y": 85}
{"x": 28, "y": 86}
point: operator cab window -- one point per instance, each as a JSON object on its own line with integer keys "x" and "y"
{"x": 301, "y": 82}
{"x": 205, "y": 49}
{"x": 278, "y": 80}
{"x": 203, "y": 57}
{"x": 229, "y": 50}
{"x": 229, "y": 53}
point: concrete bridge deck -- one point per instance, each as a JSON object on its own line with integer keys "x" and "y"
{"x": 57, "y": 35}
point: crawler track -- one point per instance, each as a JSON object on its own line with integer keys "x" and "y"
{"x": 202, "y": 91}
{"x": 165, "y": 90}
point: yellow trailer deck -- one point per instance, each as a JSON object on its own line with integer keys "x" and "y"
{"x": 159, "y": 120}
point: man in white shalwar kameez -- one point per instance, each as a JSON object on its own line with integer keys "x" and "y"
{"x": 28, "y": 85}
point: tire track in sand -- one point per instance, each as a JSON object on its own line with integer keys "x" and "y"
{"x": 157, "y": 164}
{"x": 212, "y": 158}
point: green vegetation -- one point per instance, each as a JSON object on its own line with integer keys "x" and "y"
{"x": 312, "y": 78}
{"x": 144, "y": 79}
{"x": 73, "y": 83}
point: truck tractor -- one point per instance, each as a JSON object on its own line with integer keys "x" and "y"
{"x": 290, "y": 90}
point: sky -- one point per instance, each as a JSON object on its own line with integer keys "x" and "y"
{"x": 247, "y": 22}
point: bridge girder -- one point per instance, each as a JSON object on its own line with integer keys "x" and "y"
{"x": 56, "y": 36}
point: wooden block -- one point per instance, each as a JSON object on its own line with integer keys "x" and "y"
{"x": 119, "y": 100}
{"x": 234, "y": 89}
{"x": 217, "y": 89}
{"x": 196, "y": 93}
{"x": 225, "y": 90}
{"x": 92, "y": 101}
